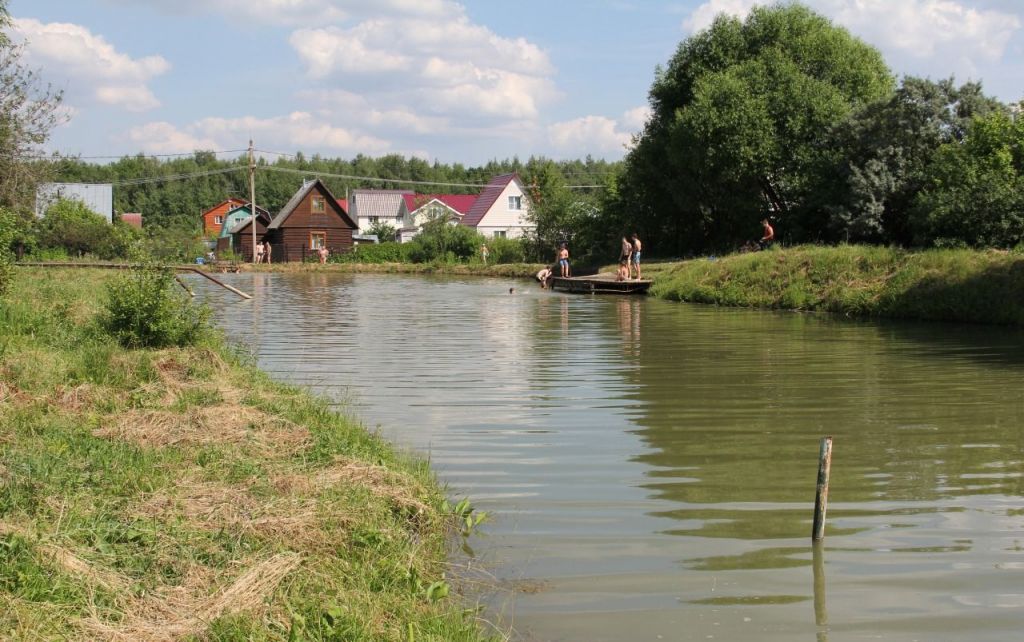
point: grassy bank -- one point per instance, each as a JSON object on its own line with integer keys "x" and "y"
{"x": 863, "y": 281}
{"x": 181, "y": 494}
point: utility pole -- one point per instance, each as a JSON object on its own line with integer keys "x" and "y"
{"x": 252, "y": 197}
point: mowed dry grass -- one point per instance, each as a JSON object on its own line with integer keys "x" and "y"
{"x": 181, "y": 494}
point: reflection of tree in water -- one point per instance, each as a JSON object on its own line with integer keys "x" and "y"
{"x": 735, "y": 402}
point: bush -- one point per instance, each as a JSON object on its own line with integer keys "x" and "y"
{"x": 145, "y": 310}
{"x": 506, "y": 250}
{"x": 375, "y": 253}
{"x": 444, "y": 242}
{"x": 7, "y": 231}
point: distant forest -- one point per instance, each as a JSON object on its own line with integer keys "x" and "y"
{"x": 194, "y": 183}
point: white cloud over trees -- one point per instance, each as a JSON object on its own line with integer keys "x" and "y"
{"x": 89, "y": 64}
{"x": 931, "y": 37}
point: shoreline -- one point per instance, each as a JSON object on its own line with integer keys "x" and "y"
{"x": 182, "y": 492}
{"x": 965, "y": 286}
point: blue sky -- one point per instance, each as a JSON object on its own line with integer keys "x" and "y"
{"x": 459, "y": 82}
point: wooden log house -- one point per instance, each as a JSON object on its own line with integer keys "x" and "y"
{"x": 312, "y": 219}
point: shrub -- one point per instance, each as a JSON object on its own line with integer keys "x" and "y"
{"x": 445, "y": 242}
{"x": 145, "y": 310}
{"x": 375, "y": 253}
{"x": 503, "y": 250}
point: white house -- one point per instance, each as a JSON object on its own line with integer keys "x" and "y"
{"x": 370, "y": 206}
{"x": 422, "y": 208}
{"x": 502, "y": 209}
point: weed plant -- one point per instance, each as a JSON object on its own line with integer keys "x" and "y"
{"x": 145, "y": 310}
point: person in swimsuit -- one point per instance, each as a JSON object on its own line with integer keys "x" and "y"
{"x": 769, "y": 235}
{"x": 563, "y": 259}
{"x": 543, "y": 276}
{"x": 266, "y": 250}
{"x": 635, "y": 261}
{"x": 259, "y": 253}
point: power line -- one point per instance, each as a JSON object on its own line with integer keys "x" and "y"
{"x": 401, "y": 181}
{"x": 66, "y": 156}
{"x": 169, "y": 177}
{"x": 369, "y": 178}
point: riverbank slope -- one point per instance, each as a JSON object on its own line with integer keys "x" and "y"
{"x": 860, "y": 281}
{"x": 180, "y": 493}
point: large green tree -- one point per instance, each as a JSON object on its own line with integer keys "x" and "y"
{"x": 883, "y": 152}
{"x": 739, "y": 120}
{"x": 974, "y": 189}
{"x": 29, "y": 110}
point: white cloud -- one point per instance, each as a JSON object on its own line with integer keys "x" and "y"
{"x": 298, "y": 130}
{"x": 704, "y": 15}
{"x": 356, "y": 108}
{"x": 90, "y": 63}
{"x": 296, "y": 12}
{"x": 588, "y": 135}
{"x": 164, "y": 138}
{"x": 926, "y": 33}
{"x": 636, "y": 118}
{"x": 441, "y": 63}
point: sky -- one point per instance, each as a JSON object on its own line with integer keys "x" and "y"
{"x": 456, "y": 82}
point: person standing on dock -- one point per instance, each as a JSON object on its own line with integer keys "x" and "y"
{"x": 626, "y": 251}
{"x": 563, "y": 259}
{"x": 635, "y": 259}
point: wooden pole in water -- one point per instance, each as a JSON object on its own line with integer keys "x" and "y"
{"x": 821, "y": 497}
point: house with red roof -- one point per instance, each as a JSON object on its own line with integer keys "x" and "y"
{"x": 422, "y": 208}
{"x": 213, "y": 218}
{"x": 502, "y": 209}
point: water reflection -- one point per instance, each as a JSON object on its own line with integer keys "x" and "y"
{"x": 652, "y": 465}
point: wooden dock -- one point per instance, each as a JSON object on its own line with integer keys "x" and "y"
{"x": 599, "y": 284}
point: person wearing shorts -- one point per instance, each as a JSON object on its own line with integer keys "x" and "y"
{"x": 635, "y": 258}
{"x": 563, "y": 260}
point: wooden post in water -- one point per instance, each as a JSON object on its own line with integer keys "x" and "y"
{"x": 821, "y": 496}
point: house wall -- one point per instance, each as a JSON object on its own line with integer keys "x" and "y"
{"x": 97, "y": 197}
{"x": 209, "y": 227}
{"x": 501, "y": 219}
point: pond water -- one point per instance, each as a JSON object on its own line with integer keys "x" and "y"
{"x": 650, "y": 467}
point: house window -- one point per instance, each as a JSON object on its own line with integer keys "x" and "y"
{"x": 515, "y": 202}
{"x": 500, "y": 234}
{"x": 318, "y": 204}
{"x": 217, "y": 220}
{"x": 317, "y": 240}
{"x": 374, "y": 220}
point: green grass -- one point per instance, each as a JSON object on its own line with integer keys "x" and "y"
{"x": 861, "y": 281}
{"x": 146, "y": 493}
